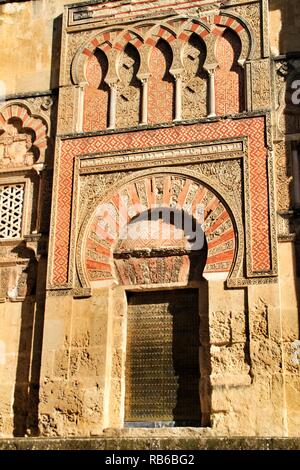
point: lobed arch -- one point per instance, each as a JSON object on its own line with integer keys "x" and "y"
{"x": 229, "y": 75}
{"x": 160, "y": 31}
{"x": 205, "y": 27}
{"x": 156, "y": 33}
{"x": 108, "y": 45}
{"x": 240, "y": 27}
{"x": 95, "y": 249}
{"x": 201, "y": 29}
{"x": 102, "y": 41}
{"x": 161, "y": 83}
{"x": 208, "y": 29}
{"x": 37, "y": 124}
{"x": 130, "y": 35}
{"x": 96, "y": 92}
{"x": 120, "y": 50}
{"x": 195, "y": 78}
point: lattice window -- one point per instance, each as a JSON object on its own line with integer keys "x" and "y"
{"x": 11, "y": 210}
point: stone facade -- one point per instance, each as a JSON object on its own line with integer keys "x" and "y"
{"x": 141, "y": 115}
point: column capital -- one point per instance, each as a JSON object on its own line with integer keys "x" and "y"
{"x": 211, "y": 70}
{"x": 82, "y": 84}
{"x": 113, "y": 84}
{"x": 177, "y": 73}
{"x": 144, "y": 80}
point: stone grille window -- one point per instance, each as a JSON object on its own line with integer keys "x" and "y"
{"x": 11, "y": 210}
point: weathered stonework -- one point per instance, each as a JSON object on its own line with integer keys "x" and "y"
{"x": 166, "y": 111}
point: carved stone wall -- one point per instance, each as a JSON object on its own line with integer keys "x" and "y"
{"x": 25, "y": 192}
{"x": 261, "y": 84}
{"x": 283, "y": 176}
{"x": 164, "y": 107}
{"x": 66, "y": 119}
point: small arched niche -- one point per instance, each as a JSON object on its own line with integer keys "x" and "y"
{"x": 17, "y": 144}
{"x": 229, "y": 75}
{"x": 194, "y": 97}
{"x": 129, "y": 89}
{"x": 161, "y": 84}
{"x": 96, "y": 93}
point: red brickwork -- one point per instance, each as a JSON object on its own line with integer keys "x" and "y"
{"x": 95, "y": 94}
{"x": 254, "y": 128}
{"x": 229, "y": 75}
{"x": 161, "y": 87}
{"x": 149, "y": 194}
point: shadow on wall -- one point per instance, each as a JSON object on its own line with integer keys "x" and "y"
{"x": 191, "y": 361}
{"x": 26, "y": 393}
{"x": 288, "y": 16}
{"x": 26, "y": 385}
{"x": 285, "y": 17}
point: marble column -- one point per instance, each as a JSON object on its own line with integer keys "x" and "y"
{"x": 178, "y": 102}
{"x": 212, "y": 94}
{"x": 144, "y": 101}
{"x": 112, "y": 106}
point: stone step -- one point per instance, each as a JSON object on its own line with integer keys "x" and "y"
{"x": 151, "y": 443}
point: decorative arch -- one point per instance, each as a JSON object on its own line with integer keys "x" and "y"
{"x": 129, "y": 87}
{"x": 99, "y": 237}
{"x": 239, "y": 27}
{"x": 194, "y": 90}
{"x": 206, "y": 26}
{"x": 160, "y": 31}
{"x": 229, "y": 75}
{"x": 96, "y": 92}
{"x": 19, "y": 116}
{"x": 102, "y": 41}
{"x": 105, "y": 41}
{"x": 161, "y": 84}
{"x": 131, "y": 36}
{"x": 203, "y": 27}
